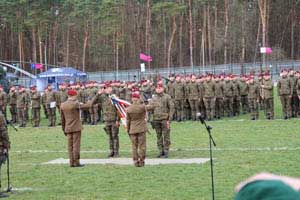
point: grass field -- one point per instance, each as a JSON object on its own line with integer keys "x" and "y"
{"x": 244, "y": 148}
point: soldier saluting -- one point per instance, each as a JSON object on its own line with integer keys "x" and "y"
{"x": 137, "y": 128}
{"x": 163, "y": 110}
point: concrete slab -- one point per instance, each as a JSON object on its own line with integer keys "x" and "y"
{"x": 128, "y": 161}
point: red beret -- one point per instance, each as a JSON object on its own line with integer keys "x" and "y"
{"x": 159, "y": 85}
{"x": 135, "y": 95}
{"x": 72, "y": 92}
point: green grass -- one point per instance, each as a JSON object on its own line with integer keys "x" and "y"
{"x": 238, "y": 155}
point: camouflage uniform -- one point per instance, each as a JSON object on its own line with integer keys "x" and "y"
{"x": 285, "y": 91}
{"x": 3, "y": 102}
{"x": 12, "y": 101}
{"x": 110, "y": 117}
{"x": 209, "y": 98}
{"x": 50, "y": 98}
{"x": 253, "y": 99}
{"x": 236, "y": 98}
{"x": 268, "y": 97}
{"x": 219, "y": 92}
{"x": 163, "y": 108}
{"x": 44, "y": 96}
{"x": 201, "y": 99}
{"x": 35, "y": 108}
{"x": 21, "y": 107}
{"x": 244, "y": 97}
{"x": 4, "y": 140}
{"x": 193, "y": 91}
{"x": 179, "y": 96}
{"x": 93, "y": 110}
{"x": 294, "y": 100}
{"x": 228, "y": 98}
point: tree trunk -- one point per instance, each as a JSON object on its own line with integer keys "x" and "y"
{"x": 40, "y": 46}
{"x": 263, "y": 14}
{"x": 33, "y": 45}
{"x": 215, "y": 30}
{"x": 226, "y": 6}
{"x": 180, "y": 40}
{"x": 171, "y": 42}
{"x": 257, "y": 40}
{"x": 67, "y": 54}
{"x": 292, "y": 29}
{"x": 85, "y": 42}
{"x": 243, "y": 53}
{"x": 203, "y": 38}
{"x": 191, "y": 34}
{"x": 209, "y": 34}
{"x": 148, "y": 27}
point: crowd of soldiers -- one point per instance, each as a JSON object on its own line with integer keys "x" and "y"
{"x": 214, "y": 96}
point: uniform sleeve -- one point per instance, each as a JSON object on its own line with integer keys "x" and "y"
{"x": 63, "y": 120}
{"x": 171, "y": 108}
{"x": 128, "y": 122}
{"x": 96, "y": 99}
{"x": 3, "y": 133}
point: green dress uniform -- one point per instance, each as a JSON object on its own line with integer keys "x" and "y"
{"x": 137, "y": 128}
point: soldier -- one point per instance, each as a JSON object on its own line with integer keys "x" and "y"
{"x": 186, "y": 105}
{"x": 21, "y": 106}
{"x": 110, "y": 117}
{"x": 253, "y": 98}
{"x": 128, "y": 92}
{"x": 44, "y": 96}
{"x": 71, "y": 126}
{"x": 93, "y": 110}
{"x": 163, "y": 110}
{"x": 219, "y": 111}
{"x": 228, "y": 96}
{"x": 236, "y": 96}
{"x": 3, "y": 101}
{"x": 122, "y": 91}
{"x": 200, "y": 82}
{"x": 285, "y": 91}
{"x": 260, "y": 82}
{"x": 179, "y": 96}
{"x": 4, "y": 145}
{"x": 35, "y": 107}
{"x": 298, "y": 88}
{"x": 209, "y": 97}
{"x": 294, "y": 100}
{"x": 268, "y": 96}
{"x": 244, "y": 94}
{"x": 51, "y": 101}
{"x": 12, "y": 101}
{"x": 137, "y": 128}
{"x": 27, "y": 92}
{"x": 193, "y": 91}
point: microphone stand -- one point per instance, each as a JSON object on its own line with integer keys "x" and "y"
{"x": 211, "y": 141}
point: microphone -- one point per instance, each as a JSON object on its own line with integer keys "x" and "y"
{"x": 200, "y": 117}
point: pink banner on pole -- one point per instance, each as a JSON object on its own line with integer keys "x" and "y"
{"x": 268, "y": 50}
{"x": 146, "y": 58}
{"x": 38, "y": 66}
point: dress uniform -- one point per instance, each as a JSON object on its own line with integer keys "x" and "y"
{"x": 137, "y": 128}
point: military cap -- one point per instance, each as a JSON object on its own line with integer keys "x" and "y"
{"x": 72, "y": 92}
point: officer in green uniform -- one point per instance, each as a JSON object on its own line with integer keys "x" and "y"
{"x": 51, "y": 101}
{"x": 228, "y": 96}
{"x": 219, "y": 92}
{"x": 193, "y": 91}
{"x": 209, "y": 97}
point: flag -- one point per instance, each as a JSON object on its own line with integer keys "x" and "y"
{"x": 32, "y": 66}
{"x": 121, "y": 108}
{"x": 268, "y": 50}
{"x": 146, "y": 58}
{"x": 38, "y": 66}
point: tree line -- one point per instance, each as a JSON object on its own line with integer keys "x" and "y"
{"x": 101, "y": 35}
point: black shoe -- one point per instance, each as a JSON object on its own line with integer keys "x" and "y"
{"x": 110, "y": 155}
{"x": 166, "y": 155}
{"x": 161, "y": 154}
{"x": 116, "y": 155}
{"x": 285, "y": 117}
{"x": 253, "y": 118}
{"x": 79, "y": 165}
{"x": 3, "y": 195}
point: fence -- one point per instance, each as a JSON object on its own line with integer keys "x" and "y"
{"x": 237, "y": 68}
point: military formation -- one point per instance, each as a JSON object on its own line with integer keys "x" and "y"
{"x": 214, "y": 96}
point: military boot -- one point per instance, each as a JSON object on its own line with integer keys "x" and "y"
{"x": 166, "y": 155}
{"x": 160, "y": 155}
{"x": 111, "y": 148}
